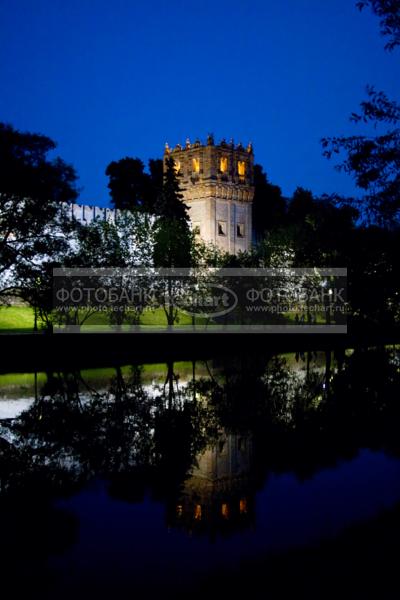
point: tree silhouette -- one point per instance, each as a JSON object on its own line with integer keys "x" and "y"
{"x": 33, "y": 188}
{"x": 170, "y": 203}
{"x": 301, "y": 204}
{"x": 156, "y": 168}
{"x": 374, "y": 159}
{"x": 128, "y": 183}
{"x": 172, "y": 236}
{"x": 27, "y": 172}
{"x": 173, "y": 240}
{"x": 269, "y": 207}
{"x": 389, "y": 14}
{"x": 131, "y": 188}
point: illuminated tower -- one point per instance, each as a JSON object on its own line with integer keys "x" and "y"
{"x": 217, "y": 184}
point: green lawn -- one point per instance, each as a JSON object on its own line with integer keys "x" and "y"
{"x": 21, "y": 319}
{"x": 16, "y": 318}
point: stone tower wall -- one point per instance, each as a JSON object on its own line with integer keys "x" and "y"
{"x": 217, "y": 185}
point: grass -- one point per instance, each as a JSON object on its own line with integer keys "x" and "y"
{"x": 16, "y": 318}
{"x": 20, "y": 319}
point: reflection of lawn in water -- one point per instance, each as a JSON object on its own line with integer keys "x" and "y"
{"x": 23, "y": 384}
{"x": 20, "y": 385}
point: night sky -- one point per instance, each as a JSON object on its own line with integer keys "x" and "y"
{"x": 115, "y": 78}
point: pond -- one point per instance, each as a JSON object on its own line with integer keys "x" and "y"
{"x": 179, "y": 479}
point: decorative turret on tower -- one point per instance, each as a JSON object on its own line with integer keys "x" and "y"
{"x": 217, "y": 185}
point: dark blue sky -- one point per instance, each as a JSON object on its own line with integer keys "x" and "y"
{"x": 113, "y": 78}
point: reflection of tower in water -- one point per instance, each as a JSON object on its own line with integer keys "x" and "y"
{"x": 218, "y": 495}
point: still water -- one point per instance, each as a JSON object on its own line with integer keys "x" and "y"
{"x": 180, "y": 479}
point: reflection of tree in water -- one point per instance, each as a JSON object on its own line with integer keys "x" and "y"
{"x": 329, "y": 411}
{"x": 203, "y": 446}
{"x": 73, "y": 431}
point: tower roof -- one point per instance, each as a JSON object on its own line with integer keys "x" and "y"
{"x": 209, "y": 142}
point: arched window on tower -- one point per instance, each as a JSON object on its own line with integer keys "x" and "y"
{"x": 221, "y": 226}
{"x": 223, "y": 164}
{"x": 241, "y": 169}
{"x": 240, "y": 230}
{"x": 196, "y": 165}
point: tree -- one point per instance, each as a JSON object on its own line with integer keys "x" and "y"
{"x": 131, "y": 188}
{"x": 117, "y": 246}
{"x": 269, "y": 206}
{"x": 373, "y": 159}
{"x": 388, "y": 12}
{"x": 300, "y": 206}
{"x": 374, "y": 277}
{"x": 128, "y": 183}
{"x": 156, "y": 168}
{"x": 170, "y": 203}
{"x": 27, "y": 172}
{"x": 322, "y": 231}
{"x": 33, "y": 190}
{"x": 173, "y": 239}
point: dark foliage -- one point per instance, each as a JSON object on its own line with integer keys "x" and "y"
{"x": 26, "y": 171}
{"x": 269, "y": 207}
{"x": 33, "y": 188}
{"x": 373, "y": 160}
{"x": 388, "y": 12}
{"x": 170, "y": 203}
{"x": 131, "y": 188}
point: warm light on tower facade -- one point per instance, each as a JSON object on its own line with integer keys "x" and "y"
{"x": 217, "y": 185}
{"x": 196, "y": 165}
{"x": 241, "y": 168}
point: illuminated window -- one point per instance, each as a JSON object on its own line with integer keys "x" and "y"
{"x": 177, "y": 166}
{"x": 243, "y": 506}
{"x": 225, "y": 510}
{"x": 223, "y": 164}
{"x": 221, "y": 227}
{"x": 196, "y": 165}
{"x": 197, "y": 512}
{"x": 241, "y": 168}
{"x": 240, "y": 230}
